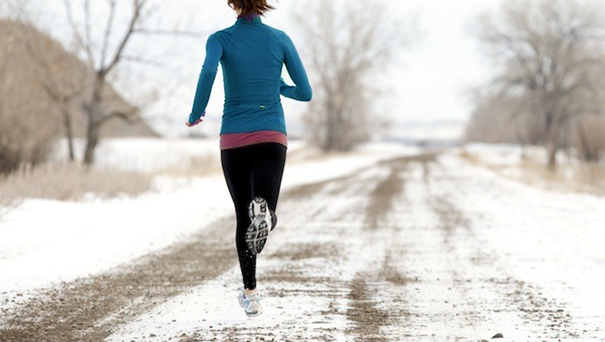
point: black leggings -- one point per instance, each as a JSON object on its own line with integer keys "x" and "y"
{"x": 252, "y": 171}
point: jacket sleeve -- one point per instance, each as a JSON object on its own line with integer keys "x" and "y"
{"x": 302, "y": 89}
{"x": 214, "y": 53}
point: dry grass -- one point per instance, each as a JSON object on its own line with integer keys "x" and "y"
{"x": 69, "y": 182}
{"x": 194, "y": 167}
{"x": 581, "y": 177}
{"x": 469, "y": 157}
{"x": 588, "y": 178}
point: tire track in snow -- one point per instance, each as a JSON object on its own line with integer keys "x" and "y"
{"x": 466, "y": 290}
{"x": 382, "y": 198}
{"x": 464, "y": 249}
{"x": 375, "y": 307}
{"x": 363, "y": 312}
{"x": 394, "y": 284}
{"x": 89, "y": 309}
{"x": 429, "y": 299}
{"x": 536, "y": 315}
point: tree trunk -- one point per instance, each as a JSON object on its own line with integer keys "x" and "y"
{"x": 94, "y": 122}
{"x": 68, "y": 131}
{"x": 331, "y": 128}
{"x": 551, "y": 150}
{"x": 92, "y": 140}
{"x": 552, "y": 147}
{"x": 586, "y": 152}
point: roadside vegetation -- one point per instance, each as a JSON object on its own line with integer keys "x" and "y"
{"x": 70, "y": 182}
{"x": 527, "y": 167}
{"x": 547, "y": 87}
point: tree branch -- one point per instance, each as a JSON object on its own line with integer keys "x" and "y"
{"x": 176, "y": 33}
{"x": 108, "y": 29}
{"x": 82, "y": 43}
{"x": 137, "y": 7}
{"x": 131, "y": 117}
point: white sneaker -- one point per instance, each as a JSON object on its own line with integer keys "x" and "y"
{"x": 250, "y": 303}
{"x": 261, "y": 223}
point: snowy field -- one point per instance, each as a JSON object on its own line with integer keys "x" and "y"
{"x": 388, "y": 243}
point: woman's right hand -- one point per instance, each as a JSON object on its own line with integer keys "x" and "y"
{"x": 197, "y": 122}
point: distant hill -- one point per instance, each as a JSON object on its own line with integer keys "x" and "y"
{"x": 64, "y": 71}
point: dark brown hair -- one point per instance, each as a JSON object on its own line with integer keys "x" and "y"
{"x": 251, "y": 7}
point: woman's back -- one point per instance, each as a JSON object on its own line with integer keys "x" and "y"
{"x": 252, "y": 56}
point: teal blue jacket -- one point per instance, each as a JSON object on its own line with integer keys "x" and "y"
{"x": 252, "y": 56}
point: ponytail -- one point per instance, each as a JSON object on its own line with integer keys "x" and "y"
{"x": 251, "y": 7}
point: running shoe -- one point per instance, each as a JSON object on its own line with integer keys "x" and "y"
{"x": 261, "y": 223}
{"x": 250, "y": 303}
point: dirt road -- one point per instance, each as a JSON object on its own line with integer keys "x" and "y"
{"x": 411, "y": 249}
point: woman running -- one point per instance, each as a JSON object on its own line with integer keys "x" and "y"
{"x": 253, "y": 131}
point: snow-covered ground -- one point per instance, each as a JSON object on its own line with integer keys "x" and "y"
{"x": 471, "y": 255}
{"x": 526, "y": 164}
{"x": 146, "y": 154}
{"x": 375, "y": 247}
{"x": 44, "y": 241}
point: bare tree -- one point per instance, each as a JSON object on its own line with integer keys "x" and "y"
{"x": 102, "y": 41}
{"x": 348, "y": 44}
{"x": 101, "y": 34}
{"x": 103, "y": 58}
{"x": 552, "y": 53}
{"x": 52, "y": 64}
{"x": 58, "y": 79}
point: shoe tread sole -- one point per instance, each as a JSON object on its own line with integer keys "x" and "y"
{"x": 258, "y": 231}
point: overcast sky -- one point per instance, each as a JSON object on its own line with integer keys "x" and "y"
{"x": 444, "y": 62}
